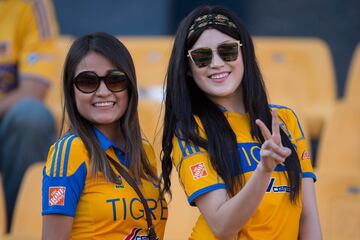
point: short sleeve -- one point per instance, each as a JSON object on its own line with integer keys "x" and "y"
{"x": 296, "y": 134}
{"x": 36, "y": 40}
{"x": 64, "y": 176}
{"x": 195, "y": 169}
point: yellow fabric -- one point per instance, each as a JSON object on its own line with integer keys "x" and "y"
{"x": 276, "y": 217}
{"x": 27, "y": 42}
{"x": 104, "y": 210}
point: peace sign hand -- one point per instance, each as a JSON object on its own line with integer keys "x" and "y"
{"x": 272, "y": 151}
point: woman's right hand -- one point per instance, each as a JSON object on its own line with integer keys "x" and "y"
{"x": 272, "y": 151}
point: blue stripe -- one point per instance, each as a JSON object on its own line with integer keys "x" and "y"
{"x": 204, "y": 190}
{"x": 309, "y": 175}
{"x": 180, "y": 144}
{"x": 197, "y": 149}
{"x": 66, "y": 158}
{"x": 53, "y": 159}
{"x": 59, "y": 156}
{"x": 188, "y": 146}
{"x": 42, "y": 19}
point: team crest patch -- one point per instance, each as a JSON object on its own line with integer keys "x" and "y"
{"x": 57, "y": 196}
{"x": 120, "y": 185}
{"x": 198, "y": 170}
{"x": 305, "y": 155}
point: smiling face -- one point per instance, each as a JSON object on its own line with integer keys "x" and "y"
{"x": 103, "y": 108}
{"x": 221, "y": 80}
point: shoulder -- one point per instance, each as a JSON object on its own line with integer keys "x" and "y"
{"x": 290, "y": 120}
{"x": 66, "y": 155}
{"x": 149, "y": 151}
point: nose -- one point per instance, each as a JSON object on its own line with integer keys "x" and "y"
{"x": 216, "y": 60}
{"x": 102, "y": 90}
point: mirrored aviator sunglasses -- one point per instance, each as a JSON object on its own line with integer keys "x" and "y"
{"x": 202, "y": 57}
{"x": 89, "y": 81}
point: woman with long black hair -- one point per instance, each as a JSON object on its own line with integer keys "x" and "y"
{"x": 242, "y": 162}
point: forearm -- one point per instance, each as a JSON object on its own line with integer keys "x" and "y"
{"x": 235, "y": 212}
{"x": 27, "y": 89}
{"x": 309, "y": 221}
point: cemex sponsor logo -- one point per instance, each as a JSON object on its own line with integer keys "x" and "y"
{"x": 57, "y": 196}
{"x": 277, "y": 188}
{"x": 198, "y": 170}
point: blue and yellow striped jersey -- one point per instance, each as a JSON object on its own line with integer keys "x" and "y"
{"x": 101, "y": 209}
{"x": 27, "y": 42}
{"x": 276, "y": 217}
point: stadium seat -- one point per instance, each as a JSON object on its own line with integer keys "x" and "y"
{"x": 182, "y": 217}
{"x": 353, "y": 80}
{"x": 27, "y": 220}
{"x": 299, "y": 73}
{"x": 2, "y": 209}
{"x": 54, "y": 97}
{"x": 340, "y": 141}
{"x": 151, "y": 122}
{"x": 338, "y": 194}
{"x": 151, "y": 56}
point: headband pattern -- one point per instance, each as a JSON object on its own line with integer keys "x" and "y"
{"x": 210, "y": 19}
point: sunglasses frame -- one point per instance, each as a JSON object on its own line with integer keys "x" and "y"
{"x": 99, "y": 78}
{"x": 212, "y": 52}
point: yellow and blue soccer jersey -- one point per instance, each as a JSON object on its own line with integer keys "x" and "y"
{"x": 276, "y": 217}
{"x": 101, "y": 209}
{"x": 27, "y": 42}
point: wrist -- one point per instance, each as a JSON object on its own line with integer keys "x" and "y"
{"x": 261, "y": 168}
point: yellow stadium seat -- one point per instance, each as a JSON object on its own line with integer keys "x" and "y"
{"x": 27, "y": 220}
{"x": 151, "y": 122}
{"x": 340, "y": 143}
{"x": 353, "y": 80}
{"x": 338, "y": 194}
{"x": 2, "y": 209}
{"x": 151, "y": 56}
{"x": 299, "y": 73}
{"x": 54, "y": 97}
{"x": 182, "y": 217}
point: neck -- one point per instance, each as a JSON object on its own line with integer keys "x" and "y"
{"x": 232, "y": 103}
{"x": 113, "y": 133}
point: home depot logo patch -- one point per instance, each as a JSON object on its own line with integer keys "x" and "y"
{"x": 306, "y": 155}
{"x": 198, "y": 170}
{"x": 57, "y": 196}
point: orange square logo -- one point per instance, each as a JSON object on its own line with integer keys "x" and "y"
{"x": 305, "y": 155}
{"x": 57, "y": 196}
{"x": 198, "y": 170}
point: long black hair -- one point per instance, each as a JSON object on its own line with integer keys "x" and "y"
{"x": 184, "y": 99}
{"x": 113, "y": 50}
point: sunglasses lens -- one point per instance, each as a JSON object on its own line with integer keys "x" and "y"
{"x": 228, "y": 51}
{"x": 87, "y": 82}
{"x": 202, "y": 56}
{"x": 116, "y": 81}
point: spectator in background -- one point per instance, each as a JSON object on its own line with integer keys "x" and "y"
{"x": 241, "y": 161}
{"x": 28, "y": 32}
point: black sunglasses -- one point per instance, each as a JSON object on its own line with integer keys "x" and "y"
{"x": 202, "y": 57}
{"x": 89, "y": 81}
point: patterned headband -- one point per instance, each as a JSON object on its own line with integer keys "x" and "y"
{"x": 210, "y": 19}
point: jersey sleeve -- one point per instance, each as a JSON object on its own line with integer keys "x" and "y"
{"x": 195, "y": 170}
{"x": 297, "y": 137}
{"x": 36, "y": 40}
{"x": 64, "y": 176}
